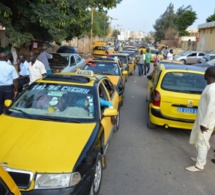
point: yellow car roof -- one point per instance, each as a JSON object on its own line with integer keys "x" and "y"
{"x": 85, "y": 78}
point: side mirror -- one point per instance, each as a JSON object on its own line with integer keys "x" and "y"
{"x": 110, "y": 112}
{"x": 7, "y": 103}
{"x": 124, "y": 72}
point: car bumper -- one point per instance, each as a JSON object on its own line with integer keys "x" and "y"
{"x": 157, "y": 118}
{"x": 82, "y": 188}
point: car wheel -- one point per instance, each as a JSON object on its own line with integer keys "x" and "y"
{"x": 183, "y": 61}
{"x": 97, "y": 178}
{"x": 116, "y": 128}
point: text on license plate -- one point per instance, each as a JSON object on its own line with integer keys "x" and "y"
{"x": 188, "y": 110}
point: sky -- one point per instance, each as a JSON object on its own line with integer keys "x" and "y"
{"x": 140, "y": 15}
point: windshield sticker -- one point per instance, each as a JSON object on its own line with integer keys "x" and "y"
{"x": 75, "y": 90}
{"x": 55, "y": 93}
{"x": 53, "y": 87}
{"x": 39, "y": 87}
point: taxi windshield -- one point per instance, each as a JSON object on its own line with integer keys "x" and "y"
{"x": 105, "y": 68}
{"x": 57, "y": 102}
{"x": 122, "y": 58}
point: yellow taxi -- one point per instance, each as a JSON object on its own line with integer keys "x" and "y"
{"x": 173, "y": 95}
{"x": 113, "y": 69}
{"x": 126, "y": 60}
{"x": 99, "y": 43}
{"x": 54, "y": 137}
{"x": 99, "y": 51}
{"x": 7, "y": 185}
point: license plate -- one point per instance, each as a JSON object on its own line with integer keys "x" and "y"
{"x": 188, "y": 110}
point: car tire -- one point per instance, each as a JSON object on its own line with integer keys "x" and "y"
{"x": 116, "y": 128}
{"x": 96, "y": 184}
{"x": 183, "y": 61}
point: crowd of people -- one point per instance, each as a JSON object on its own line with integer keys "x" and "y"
{"x": 13, "y": 79}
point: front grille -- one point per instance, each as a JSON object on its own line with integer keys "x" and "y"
{"x": 22, "y": 178}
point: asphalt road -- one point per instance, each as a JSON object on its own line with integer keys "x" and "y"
{"x": 142, "y": 161}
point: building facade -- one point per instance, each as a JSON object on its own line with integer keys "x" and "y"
{"x": 206, "y": 39}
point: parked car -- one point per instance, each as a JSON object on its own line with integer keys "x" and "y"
{"x": 55, "y": 136}
{"x": 206, "y": 58}
{"x": 67, "y": 49}
{"x": 173, "y": 95}
{"x": 113, "y": 69}
{"x": 191, "y": 57}
{"x": 66, "y": 62}
{"x": 205, "y": 65}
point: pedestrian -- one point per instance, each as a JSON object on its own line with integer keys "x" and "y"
{"x": 44, "y": 57}
{"x": 147, "y": 61}
{"x": 165, "y": 52}
{"x": 170, "y": 55}
{"x": 8, "y": 81}
{"x": 140, "y": 60}
{"x": 36, "y": 68}
{"x": 156, "y": 59}
{"x": 205, "y": 121}
{"x": 23, "y": 72}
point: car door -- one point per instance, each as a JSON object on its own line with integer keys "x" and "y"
{"x": 192, "y": 58}
{"x": 105, "y": 121}
{"x": 200, "y": 57}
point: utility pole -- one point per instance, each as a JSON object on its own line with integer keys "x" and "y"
{"x": 91, "y": 30}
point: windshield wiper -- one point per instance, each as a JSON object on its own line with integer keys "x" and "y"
{"x": 23, "y": 112}
{"x": 52, "y": 118}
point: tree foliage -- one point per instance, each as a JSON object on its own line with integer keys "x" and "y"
{"x": 50, "y": 20}
{"x": 175, "y": 22}
{"x": 211, "y": 18}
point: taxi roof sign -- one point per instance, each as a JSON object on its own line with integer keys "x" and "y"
{"x": 84, "y": 72}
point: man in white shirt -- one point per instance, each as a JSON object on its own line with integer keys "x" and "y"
{"x": 36, "y": 68}
{"x": 23, "y": 72}
{"x": 170, "y": 55}
{"x": 8, "y": 81}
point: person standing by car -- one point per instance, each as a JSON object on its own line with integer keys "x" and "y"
{"x": 147, "y": 61}
{"x": 205, "y": 122}
{"x": 170, "y": 55}
{"x": 23, "y": 72}
{"x": 8, "y": 81}
{"x": 44, "y": 57}
{"x": 140, "y": 62}
{"x": 36, "y": 68}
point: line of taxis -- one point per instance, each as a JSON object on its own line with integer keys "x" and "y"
{"x": 55, "y": 135}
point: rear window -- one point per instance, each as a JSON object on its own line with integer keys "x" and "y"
{"x": 184, "y": 82}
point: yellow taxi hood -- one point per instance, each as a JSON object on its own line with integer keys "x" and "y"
{"x": 114, "y": 79}
{"x": 42, "y": 146}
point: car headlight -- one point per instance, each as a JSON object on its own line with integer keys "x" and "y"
{"x": 47, "y": 181}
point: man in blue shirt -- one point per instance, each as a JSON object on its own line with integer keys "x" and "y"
{"x": 8, "y": 81}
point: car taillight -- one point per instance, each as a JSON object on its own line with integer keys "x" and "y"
{"x": 156, "y": 98}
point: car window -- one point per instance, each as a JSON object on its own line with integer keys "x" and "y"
{"x": 123, "y": 59}
{"x": 183, "y": 82}
{"x": 78, "y": 59}
{"x": 192, "y": 55}
{"x": 100, "y": 48}
{"x": 72, "y": 60}
{"x": 56, "y": 102}
{"x": 110, "y": 88}
{"x": 201, "y": 54}
{"x": 58, "y": 60}
{"x": 107, "y": 68}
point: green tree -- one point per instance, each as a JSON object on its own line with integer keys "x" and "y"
{"x": 50, "y": 20}
{"x": 166, "y": 21}
{"x": 211, "y": 18}
{"x": 184, "y": 20}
